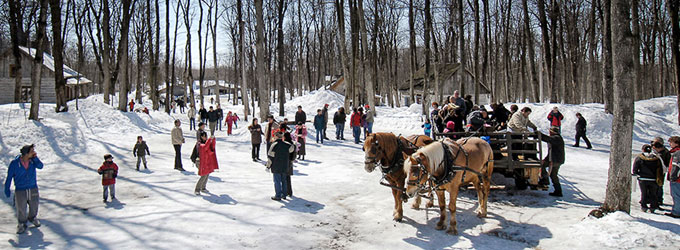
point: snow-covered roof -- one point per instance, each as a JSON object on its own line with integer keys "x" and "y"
{"x": 70, "y": 75}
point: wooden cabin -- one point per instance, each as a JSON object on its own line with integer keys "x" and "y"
{"x": 76, "y": 84}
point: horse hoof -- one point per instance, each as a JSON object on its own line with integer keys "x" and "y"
{"x": 481, "y": 215}
{"x": 415, "y": 206}
{"x": 452, "y": 232}
{"x": 397, "y": 219}
{"x": 440, "y": 227}
{"x": 430, "y": 204}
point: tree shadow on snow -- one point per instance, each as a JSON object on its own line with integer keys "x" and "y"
{"x": 223, "y": 199}
{"x": 33, "y": 238}
{"x": 673, "y": 227}
{"x": 301, "y": 205}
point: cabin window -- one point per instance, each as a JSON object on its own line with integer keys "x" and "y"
{"x": 12, "y": 70}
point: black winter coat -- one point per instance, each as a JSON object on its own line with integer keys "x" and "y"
{"x": 646, "y": 166}
{"x": 141, "y": 149}
{"x": 581, "y": 125}
{"x": 501, "y": 114}
{"x": 339, "y": 117}
{"x": 203, "y": 113}
{"x": 220, "y": 113}
{"x": 555, "y": 148}
{"x": 300, "y": 116}
{"x": 279, "y": 156}
{"x": 213, "y": 116}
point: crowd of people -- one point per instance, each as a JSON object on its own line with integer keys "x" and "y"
{"x": 286, "y": 143}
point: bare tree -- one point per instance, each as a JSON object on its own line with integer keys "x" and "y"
{"x": 36, "y": 74}
{"x": 617, "y": 197}
{"x": 675, "y": 45}
{"x": 281, "y": 10}
{"x": 128, "y": 8}
{"x": 57, "y": 53}
{"x": 19, "y": 38}
{"x": 259, "y": 44}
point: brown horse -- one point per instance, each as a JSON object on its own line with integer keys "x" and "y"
{"x": 446, "y": 165}
{"x": 387, "y": 150}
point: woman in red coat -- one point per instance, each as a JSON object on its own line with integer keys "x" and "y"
{"x": 206, "y": 161}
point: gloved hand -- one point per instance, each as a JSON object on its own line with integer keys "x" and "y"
{"x": 7, "y": 192}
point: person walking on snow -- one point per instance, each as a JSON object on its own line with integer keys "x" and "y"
{"x": 674, "y": 176}
{"x": 300, "y": 116}
{"x": 645, "y": 167}
{"x": 319, "y": 125}
{"x": 325, "y": 120}
{"x": 368, "y": 128}
{"x": 279, "y": 159}
{"x": 22, "y": 170}
{"x": 553, "y": 160}
{"x": 236, "y": 119}
{"x": 203, "y": 114}
{"x": 140, "y": 151}
{"x": 220, "y": 115}
{"x": 213, "y": 119}
{"x": 109, "y": 171}
{"x": 581, "y": 125}
{"x": 229, "y": 121}
{"x": 355, "y": 123}
{"x": 177, "y": 140}
{"x": 555, "y": 118}
{"x": 255, "y": 139}
{"x": 289, "y": 172}
{"x": 192, "y": 117}
{"x": 339, "y": 119}
{"x": 132, "y": 105}
{"x": 665, "y": 156}
{"x": 206, "y": 160}
{"x": 299, "y": 136}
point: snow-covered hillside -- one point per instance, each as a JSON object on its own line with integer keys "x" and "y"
{"x": 337, "y": 204}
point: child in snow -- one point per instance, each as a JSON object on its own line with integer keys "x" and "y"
{"x": 236, "y": 119}
{"x": 427, "y": 127}
{"x": 299, "y": 136}
{"x": 319, "y": 125}
{"x": 450, "y": 128}
{"x": 229, "y": 122}
{"x": 140, "y": 151}
{"x": 109, "y": 172}
{"x": 206, "y": 160}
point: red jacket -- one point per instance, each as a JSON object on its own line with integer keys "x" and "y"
{"x": 555, "y": 119}
{"x": 109, "y": 172}
{"x": 355, "y": 119}
{"x": 208, "y": 157}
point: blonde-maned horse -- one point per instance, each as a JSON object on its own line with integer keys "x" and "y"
{"x": 427, "y": 167}
{"x": 387, "y": 150}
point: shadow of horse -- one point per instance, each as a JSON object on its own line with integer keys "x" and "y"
{"x": 301, "y": 205}
{"x": 223, "y": 199}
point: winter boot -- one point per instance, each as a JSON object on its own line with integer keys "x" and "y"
{"x": 21, "y": 228}
{"x": 36, "y": 223}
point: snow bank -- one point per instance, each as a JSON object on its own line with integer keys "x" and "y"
{"x": 622, "y": 231}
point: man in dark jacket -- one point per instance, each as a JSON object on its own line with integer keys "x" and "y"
{"x": 220, "y": 116}
{"x": 279, "y": 158}
{"x": 203, "y": 114}
{"x": 468, "y": 105}
{"x": 23, "y": 171}
{"x": 339, "y": 119}
{"x": 319, "y": 125}
{"x": 300, "y": 116}
{"x": 646, "y": 167}
{"x": 140, "y": 151}
{"x": 501, "y": 116}
{"x": 581, "y": 125}
{"x": 213, "y": 120}
{"x": 662, "y": 152}
{"x": 325, "y": 120}
{"x": 477, "y": 119}
{"x": 553, "y": 160}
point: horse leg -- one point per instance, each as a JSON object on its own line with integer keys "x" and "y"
{"x": 453, "y": 195}
{"x": 481, "y": 196}
{"x": 398, "y": 212}
{"x": 416, "y": 202}
{"x": 441, "y": 198}
{"x": 430, "y": 203}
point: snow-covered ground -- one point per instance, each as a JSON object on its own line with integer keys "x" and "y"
{"x": 336, "y": 205}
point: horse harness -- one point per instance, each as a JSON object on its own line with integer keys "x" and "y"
{"x": 450, "y": 168}
{"x": 396, "y": 162}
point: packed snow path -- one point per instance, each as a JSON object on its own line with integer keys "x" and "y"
{"x": 336, "y": 204}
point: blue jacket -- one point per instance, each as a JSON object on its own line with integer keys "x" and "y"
{"x": 23, "y": 178}
{"x": 319, "y": 122}
{"x": 428, "y": 128}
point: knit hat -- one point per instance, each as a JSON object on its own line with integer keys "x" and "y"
{"x": 107, "y": 156}
{"x": 450, "y": 125}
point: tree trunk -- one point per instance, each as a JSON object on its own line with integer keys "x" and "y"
{"x": 618, "y": 197}
{"x": 547, "y": 55}
{"x": 16, "y": 29}
{"x": 349, "y": 82}
{"x": 242, "y": 54}
{"x": 262, "y": 84}
{"x": 532, "y": 56}
{"x": 673, "y": 7}
{"x": 168, "y": 89}
{"x": 281, "y": 9}
{"x": 36, "y": 75}
{"x": 461, "y": 47}
{"x": 412, "y": 45}
{"x": 366, "y": 61}
{"x": 607, "y": 74}
{"x": 427, "y": 32}
{"x": 128, "y": 8}
{"x": 57, "y": 53}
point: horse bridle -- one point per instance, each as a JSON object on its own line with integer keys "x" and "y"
{"x": 374, "y": 151}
